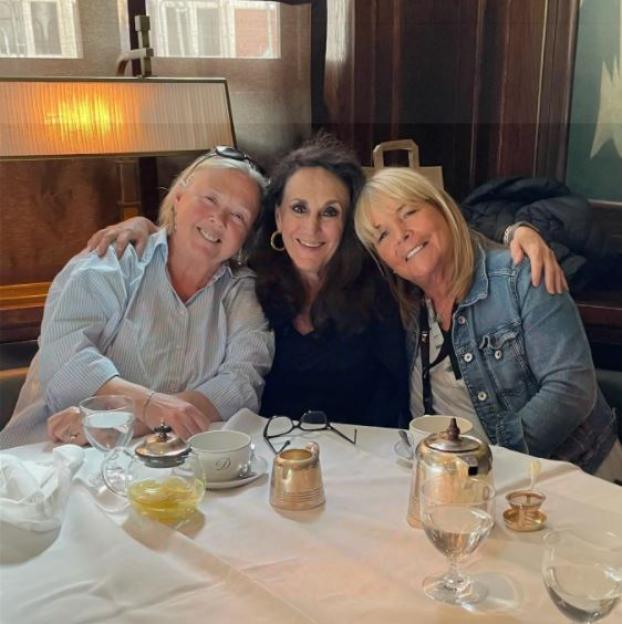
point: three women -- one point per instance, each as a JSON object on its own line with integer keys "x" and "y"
{"x": 339, "y": 340}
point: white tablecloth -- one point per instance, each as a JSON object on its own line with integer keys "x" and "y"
{"x": 353, "y": 560}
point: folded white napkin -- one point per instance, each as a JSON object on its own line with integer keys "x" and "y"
{"x": 245, "y": 421}
{"x": 32, "y": 494}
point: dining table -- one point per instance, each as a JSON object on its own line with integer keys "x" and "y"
{"x": 240, "y": 560}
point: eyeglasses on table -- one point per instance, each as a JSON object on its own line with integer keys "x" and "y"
{"x": 311, "y": 420}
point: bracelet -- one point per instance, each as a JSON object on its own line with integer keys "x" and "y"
{"x": 508, "y": 235}
{"x": 145, "y": 405}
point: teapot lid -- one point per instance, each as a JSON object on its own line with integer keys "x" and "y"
{"x": 163, "y": 449}
{"x": 451, "y": 441}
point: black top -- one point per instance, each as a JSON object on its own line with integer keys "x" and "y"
{"x": 358, "y": 378}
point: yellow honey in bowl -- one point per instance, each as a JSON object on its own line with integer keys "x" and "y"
{"x": 170, "y": 501}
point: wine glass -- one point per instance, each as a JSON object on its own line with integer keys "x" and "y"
{"x": 582, "y": 572}
{"x": 108, "y": 423}
{"x": 457, "y": 515}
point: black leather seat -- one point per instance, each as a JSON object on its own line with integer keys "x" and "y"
{"x": 611, "y": 384}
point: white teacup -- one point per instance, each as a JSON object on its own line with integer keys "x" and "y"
{"x": 436, "y": 423}
{"x": 223, "y": 454}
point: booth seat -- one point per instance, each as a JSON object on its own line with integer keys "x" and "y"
{"x": 15, "y": 358}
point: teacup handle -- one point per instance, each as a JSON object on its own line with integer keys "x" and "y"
{"x": 105, "y": 467}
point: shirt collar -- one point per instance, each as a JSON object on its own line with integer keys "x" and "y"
{"x": 479, "y": 287}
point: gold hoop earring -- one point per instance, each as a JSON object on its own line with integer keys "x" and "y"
{"x": 174, "y": 228}
{"x": 273, "y": 243}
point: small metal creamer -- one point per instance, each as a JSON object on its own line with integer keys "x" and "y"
{"x": 296, "y": 481}
{"x": 451, "y": 455}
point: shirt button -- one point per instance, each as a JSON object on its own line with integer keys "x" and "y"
{"x": 481, "y": 396}
{"x": 498, "y": 354}
{"x": 461, "y": 320}
{"x": 468, "y": 357}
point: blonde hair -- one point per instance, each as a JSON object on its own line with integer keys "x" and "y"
{"x": 166, "y": 216}
{"x": 408, "y": 186}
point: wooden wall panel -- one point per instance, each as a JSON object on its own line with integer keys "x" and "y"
{"x": 482, "y": 86}
{"x": 408, "y": 69}
{"x": 556, "y": 88}
{"x": 526, "y": 81}
{"x": 51, "y": 207}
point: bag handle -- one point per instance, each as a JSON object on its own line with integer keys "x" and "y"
{"x": 401, "y": 144}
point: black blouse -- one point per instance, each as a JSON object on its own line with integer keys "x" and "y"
{"x": 357, "y": 378}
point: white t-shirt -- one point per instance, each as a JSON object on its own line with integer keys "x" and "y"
{"x": 449, "y": 395}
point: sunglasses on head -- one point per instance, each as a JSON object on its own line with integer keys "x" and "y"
{"x": 230, "y": 153}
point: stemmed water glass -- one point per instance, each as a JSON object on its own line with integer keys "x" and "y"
{"x": 457, "y": 515}
{"x": 582, "y": 572}
{"x": 108, "y": 423}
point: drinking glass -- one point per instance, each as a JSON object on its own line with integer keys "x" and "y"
{"x": 457, "y": 515}
{"x": 108, "y": 423}
{"x": 582, "y": 572}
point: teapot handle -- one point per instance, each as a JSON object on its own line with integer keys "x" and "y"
{"x": 107, "y": 466}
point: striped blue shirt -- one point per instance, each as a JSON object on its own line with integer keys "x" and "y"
{"x": 109, "y": 317}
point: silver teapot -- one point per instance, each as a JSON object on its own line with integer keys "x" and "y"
{"x": 449, "y": 455}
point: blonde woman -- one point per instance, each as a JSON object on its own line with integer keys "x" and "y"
{"x": 178, "y": 330}
{"x": 484, "y": 342}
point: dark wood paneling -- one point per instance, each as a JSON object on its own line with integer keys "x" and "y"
{"x": 527, "y": 65}
{"x": 20, "y": 323}
{"x": 514, "y": 35}
{"x": 55, "y": 205}
{"x": 557, "y": 76}
{"x": 406, "y": 70}
{"x": 482, "y": 86}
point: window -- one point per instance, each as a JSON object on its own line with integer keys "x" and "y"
{"x": 39, "y": 29}
{"x": 215, "y": 28}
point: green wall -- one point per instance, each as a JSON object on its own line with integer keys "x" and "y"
{"x": 595, "y": 142}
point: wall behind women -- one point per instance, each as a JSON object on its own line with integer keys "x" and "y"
{"x": 595, "y": 142}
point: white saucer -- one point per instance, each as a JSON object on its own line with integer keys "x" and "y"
{"x": 401, "y": 450}
{"x": 258, "y": 468}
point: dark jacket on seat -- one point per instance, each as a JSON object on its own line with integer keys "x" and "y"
{"x": 564, "y": 219}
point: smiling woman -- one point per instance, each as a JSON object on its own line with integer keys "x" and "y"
{"x": 339, "y": 341}
{"x": 211, "y": 216}
{"x": 485, "y": 343}
{"x": 310, "y": 220}
{"x": 179, "y": 330}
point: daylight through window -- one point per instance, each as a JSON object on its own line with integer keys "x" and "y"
{"x": 39, "y": 29}
{"x": 215, "y": 28}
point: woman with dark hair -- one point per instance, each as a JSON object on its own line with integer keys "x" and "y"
{"x": 339, "y": 339}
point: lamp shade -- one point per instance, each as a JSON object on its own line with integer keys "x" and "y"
{"x": 42, "y": 117}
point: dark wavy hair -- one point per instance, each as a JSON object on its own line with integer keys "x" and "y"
{"x": 347, "y": 299}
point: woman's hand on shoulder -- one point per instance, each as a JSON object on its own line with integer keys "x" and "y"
{"x": 182, "y": 417}
{"x": 135, "y": 230}
{"x": 527, "y": 242}
{"x": 66, "y": 426}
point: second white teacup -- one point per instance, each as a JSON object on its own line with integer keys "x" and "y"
{"x": 436, "y": 423}
{"x": 224, "y": 454}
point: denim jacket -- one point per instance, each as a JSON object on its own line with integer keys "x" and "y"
{"x": 527, "y": 366}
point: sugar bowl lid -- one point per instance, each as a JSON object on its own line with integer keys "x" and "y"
{"x": 163, "y": 449}
{"x": 451, "y": 441}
